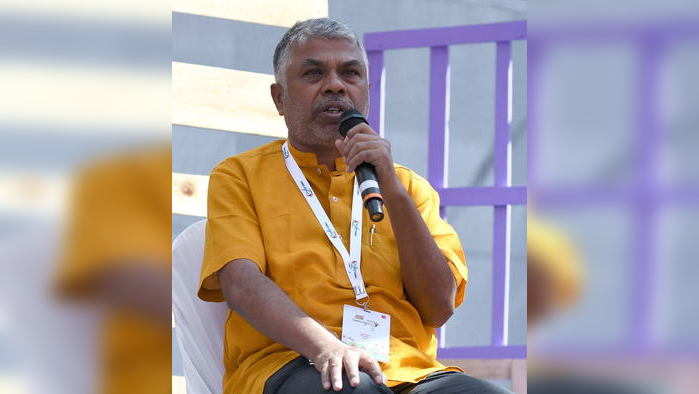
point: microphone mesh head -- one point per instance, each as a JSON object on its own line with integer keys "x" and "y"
{"x": 350, "y": 118}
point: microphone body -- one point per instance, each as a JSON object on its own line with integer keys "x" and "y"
{"x": 365, "y": 172}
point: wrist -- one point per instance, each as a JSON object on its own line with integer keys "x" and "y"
{"x": 393, "y": 189}
{"x": 322, "y": 345}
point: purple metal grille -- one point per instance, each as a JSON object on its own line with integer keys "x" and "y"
{"x": 647, "y": 195}
{"x": 500, "y": 196}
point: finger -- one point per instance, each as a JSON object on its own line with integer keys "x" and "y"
{"x": 341, "y": 146}
{"x": 361, "y": 128}
{"x": 361, "y": 137}
{"x": 372, "y": 367}
{"x": 351, "y": 362}
{"x": 336, "y": 373}
{"x": 357, "y": 144}
{"x": 325, "y": 375}
{"x": 358, "y": 159}
{"x": 368, "y": 156}
{"x": 353, "y": 149}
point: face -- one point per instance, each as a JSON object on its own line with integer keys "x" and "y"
{"x": 324, "y": 78}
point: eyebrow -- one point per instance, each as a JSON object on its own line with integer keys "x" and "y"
{"x": 318, "y": 63}
{"x": 352, "y": 63}
{"x": 312, "y": 62}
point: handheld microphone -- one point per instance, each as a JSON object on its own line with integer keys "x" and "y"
{"x": 365, "y": 172}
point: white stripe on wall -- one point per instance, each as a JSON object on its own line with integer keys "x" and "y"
{"x": 189, "y": 194}
{"x": 42, "y": 194}
{"x": 86, "y": 98}
{"x": 33, "y": 194}
{"x": 156, "y": 12}
{"x": 224, "y": 99}
{"x": 267, "y": 12}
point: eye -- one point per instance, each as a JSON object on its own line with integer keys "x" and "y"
{"x": 353, "y": 73}
{"x": 312, "y": 72}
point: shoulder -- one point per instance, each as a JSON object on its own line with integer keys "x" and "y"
{"x": 413, "y": 182}
{"x": 250, "y": 160}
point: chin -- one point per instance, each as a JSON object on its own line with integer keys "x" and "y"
{"x": 326, "y": 135}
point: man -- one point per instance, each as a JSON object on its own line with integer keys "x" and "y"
{"x": 116, "y": 257}
{"x": 298, "y": 276}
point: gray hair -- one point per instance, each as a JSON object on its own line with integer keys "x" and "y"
{"x": 305, "y": 30}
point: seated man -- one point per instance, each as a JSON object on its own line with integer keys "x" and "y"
{"x": 321, "y": 298}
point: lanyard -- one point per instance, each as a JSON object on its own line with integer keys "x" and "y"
{"x": 352, "y": 259}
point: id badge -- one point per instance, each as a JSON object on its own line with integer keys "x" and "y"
{"x": 368, "y": 330}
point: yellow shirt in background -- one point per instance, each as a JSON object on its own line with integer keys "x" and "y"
{"x": 120, "y": 215}
{"x": 256, "y": 212}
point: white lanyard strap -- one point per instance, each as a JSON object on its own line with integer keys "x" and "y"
{"x": 352, "y": 259}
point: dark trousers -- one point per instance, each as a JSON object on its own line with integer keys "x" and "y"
{"x": 299, "y": 376}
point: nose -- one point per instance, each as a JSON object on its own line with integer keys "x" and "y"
{"x": 334, "y": 84}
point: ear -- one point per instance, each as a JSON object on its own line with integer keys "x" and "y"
{"x": 368, "y": 99}
{"x": 277, "y": 92}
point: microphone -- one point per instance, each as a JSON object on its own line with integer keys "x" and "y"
{"x": 365, "y": 172}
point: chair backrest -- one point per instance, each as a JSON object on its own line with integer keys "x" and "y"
{"x": 199, "y": 325}
{"x": 55, "y": 341}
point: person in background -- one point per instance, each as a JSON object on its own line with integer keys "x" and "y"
{"x": 116, "y": 256}
{"x": 555, "y": 283}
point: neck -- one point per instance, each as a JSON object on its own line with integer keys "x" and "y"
{"x": 326, "y": 155}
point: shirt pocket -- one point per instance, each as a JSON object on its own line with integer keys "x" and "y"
{"x": 380, "y": 260}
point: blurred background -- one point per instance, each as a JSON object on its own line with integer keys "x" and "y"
{"x": 613, "y": 185}
{"x": 84, "y": 116}
{"x": 611, "y": 123}
{"x": 222, "y": 107}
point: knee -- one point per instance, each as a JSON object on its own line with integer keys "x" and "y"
{"x": 492, "y": 388}
{"x": 463, "y": 383}
{"x": 366, "y": 385}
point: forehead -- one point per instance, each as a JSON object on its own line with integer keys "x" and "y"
{"x": 326, "y": 50}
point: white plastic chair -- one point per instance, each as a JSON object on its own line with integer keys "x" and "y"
{"x": 199, "y": 325}
{"x": 56, "y": 342}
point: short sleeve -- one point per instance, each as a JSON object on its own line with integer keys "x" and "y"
{"x": 232, "y": 230}
{"x": 119, "y": 216}
{"x": 427, "y": 202}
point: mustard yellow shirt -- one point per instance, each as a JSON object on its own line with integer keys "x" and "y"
{"x": 120, "y": 215}
{"x": 256, "y": 212}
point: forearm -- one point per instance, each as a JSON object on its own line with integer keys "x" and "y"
{"x": 427, "y": 279}
{"x": 267, "y": 308}
{"x": 138, "y": 287}
{"x": 426, "y": 276}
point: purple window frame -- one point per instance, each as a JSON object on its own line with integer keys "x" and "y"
{"x": 502, "y": 195}
{"x": 647, "y": 195}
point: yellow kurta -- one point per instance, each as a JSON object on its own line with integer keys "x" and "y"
{"x": 121, "y": 216}
{"x": 256, "y": 212}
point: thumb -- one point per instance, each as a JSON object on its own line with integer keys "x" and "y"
{"x": 339, "y": 144}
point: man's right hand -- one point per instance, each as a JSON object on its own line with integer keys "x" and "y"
{"x": 264, "y": 305}
{"x": 335, "y": 357}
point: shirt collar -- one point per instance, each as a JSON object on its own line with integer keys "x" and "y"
{"x": 310, "y": 159}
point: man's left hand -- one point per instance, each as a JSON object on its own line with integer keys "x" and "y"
{"x": 362, "y": 144}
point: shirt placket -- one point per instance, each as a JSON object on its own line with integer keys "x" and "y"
{"x": 340, "y": 208}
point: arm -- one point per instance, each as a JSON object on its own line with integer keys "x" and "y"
{"x": 137, "y": 287}
{"x": 427, "y": 279}
{"x": 262, "y": 303}
{"x": 426, "y": 276}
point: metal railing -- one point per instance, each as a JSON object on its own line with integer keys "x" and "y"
{"x": 647, "y": 194}
{"x": 502, "y": 195}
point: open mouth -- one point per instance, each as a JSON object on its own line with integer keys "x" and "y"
{"x": 334, "y": 110}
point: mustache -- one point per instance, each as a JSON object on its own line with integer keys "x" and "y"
{"x": 333, "y": 102}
